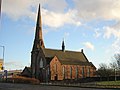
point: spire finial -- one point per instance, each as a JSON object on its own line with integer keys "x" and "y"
{"x": 63, "y": 45}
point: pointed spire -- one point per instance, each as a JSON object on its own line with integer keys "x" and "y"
{"x": 38, "y": 42}
{"x": 63, "y": 46}
{"x": 39, "y": 25}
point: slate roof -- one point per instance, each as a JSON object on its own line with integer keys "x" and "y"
{"x": 26, "y": 71}
{"x": 67, "y": 57}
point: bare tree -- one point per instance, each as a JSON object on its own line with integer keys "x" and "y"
{"x": 115, "y": 65}
{"x": 104, "y": 71}
{"x": 117, "y": 60}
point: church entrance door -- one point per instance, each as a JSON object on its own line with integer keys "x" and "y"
{"x": 56, "y": 77}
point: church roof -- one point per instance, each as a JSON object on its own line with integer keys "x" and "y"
{"x": 67, "y": 57}
{"x": 26, "y": 71}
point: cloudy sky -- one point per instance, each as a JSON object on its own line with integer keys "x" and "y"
{"x": 92, "y": 25}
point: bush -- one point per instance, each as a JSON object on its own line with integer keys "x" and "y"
{"x": 21, "y": 79}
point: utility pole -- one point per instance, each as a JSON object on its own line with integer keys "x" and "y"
{"x": 3, "y": 53}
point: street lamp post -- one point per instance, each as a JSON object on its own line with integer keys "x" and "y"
{"x": 115, "y": 73}
{"x": 3, "y": 51}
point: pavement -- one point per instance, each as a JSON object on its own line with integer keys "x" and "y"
{"x": 13, "y": 86}
{"x": 83, "y": 85}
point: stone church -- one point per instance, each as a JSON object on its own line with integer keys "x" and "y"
{"x": 52, "y": 64}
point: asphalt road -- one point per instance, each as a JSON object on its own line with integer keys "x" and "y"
{"x": 10, "y": 86}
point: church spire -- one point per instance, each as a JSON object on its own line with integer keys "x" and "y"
{"x": 38, "y": 42}
{"x": 63, "y": 46}
{"x": 39, "y": 25}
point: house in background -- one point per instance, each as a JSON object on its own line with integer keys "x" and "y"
{"x": 52, "y": 64}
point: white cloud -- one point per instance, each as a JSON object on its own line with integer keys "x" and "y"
{"x": 16, "y": 8}
{"x": 116, "y": 46}
{"x": 53, "y": 19}
{"x": 92, "y": 9}
{"x": 108, "y": 32}
{"x": 88, "y": 45}
{"x": 56, "y": 5}
{"x": 97, "y": 33}
{"x": 113, "y": 31}
{"x": 12, "y": 65}
{"x": 53, "y": 16}
{"x": 56, "y": 13}
{"x": 106, "y": 9}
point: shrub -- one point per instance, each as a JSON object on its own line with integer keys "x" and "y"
{"x": 21, "y": 79}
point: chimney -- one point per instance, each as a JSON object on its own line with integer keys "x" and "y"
{"x": 81, "y": 50}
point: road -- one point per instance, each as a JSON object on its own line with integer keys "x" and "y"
{"x": 10, "y": 86}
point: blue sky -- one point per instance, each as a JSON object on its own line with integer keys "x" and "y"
{"x": 92, "y": 25}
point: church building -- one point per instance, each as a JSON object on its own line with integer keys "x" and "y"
{"x": 52, "y": 64}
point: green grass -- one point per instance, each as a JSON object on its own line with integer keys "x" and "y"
{"x": 109, "y": 83}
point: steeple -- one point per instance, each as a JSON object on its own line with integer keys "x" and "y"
{"x": 38, "y": 41}
{"x": 63, "y": 46}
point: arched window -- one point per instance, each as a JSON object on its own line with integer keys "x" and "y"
{"x": 63, "y": 72}
{"x": 88, "y": 72}
{"x": 55, "y": 67}
{"x": 76, "y": 72}
{"x": 71, "y": 72}
{"x": 48, "y": 70}
{"x": 41, "y": 63}
{"x": 83, "y": 72}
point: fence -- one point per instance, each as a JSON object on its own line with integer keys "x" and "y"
{"x": 88, "y": 79}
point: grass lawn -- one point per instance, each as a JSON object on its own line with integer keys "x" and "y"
{"x": 109, "y": 83}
